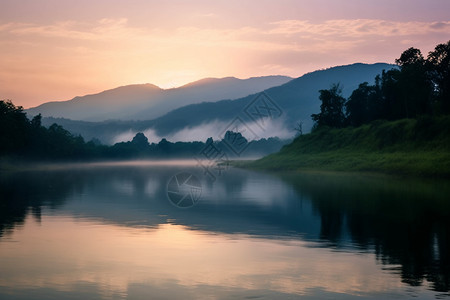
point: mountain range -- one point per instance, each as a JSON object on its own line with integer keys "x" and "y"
{"x": 295, "y": 100}
{"x": 148, "y": 101}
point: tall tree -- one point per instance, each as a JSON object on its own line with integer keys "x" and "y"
{"x": 439, "y": 73}
{"x": 363, "y": 105}
{"x": 406, "y": 91}
{"x": 414, "y": 86}
{"x": 332, "y": 108}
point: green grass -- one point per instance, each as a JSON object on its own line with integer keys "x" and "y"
{"x": 404, "y": 147}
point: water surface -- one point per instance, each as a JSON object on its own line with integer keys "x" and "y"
{"x": 109, "y": 231}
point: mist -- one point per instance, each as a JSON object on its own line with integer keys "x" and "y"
{"x": 215, "y": 129}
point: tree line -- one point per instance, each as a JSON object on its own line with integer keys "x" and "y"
{"x": 417, "y": 87}
{"x": 24, "y": 138}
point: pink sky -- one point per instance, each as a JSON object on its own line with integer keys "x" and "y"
{"x": 55, "y": 50}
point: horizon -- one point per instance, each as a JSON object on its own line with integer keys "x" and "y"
{"x": 161, "y": 87}
{"x": 191, "y": 82}
{"x": 52, "y": 50}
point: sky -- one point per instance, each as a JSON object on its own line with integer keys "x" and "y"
{"x": 54, "y": 50}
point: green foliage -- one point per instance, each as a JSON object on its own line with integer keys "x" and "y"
{"x": 418, "y": 87}
{"x": 415, "y": 141}
{"x": 407, "y": 146}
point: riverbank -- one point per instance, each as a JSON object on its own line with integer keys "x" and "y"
{"x": 406, "y": 147}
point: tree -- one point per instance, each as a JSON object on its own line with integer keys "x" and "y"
{"x": 391, "y": 107}
{"x": 332, "y": 108}
{"x": 140, "y": 141}
{"x": 164, "y": 147}
{"x": 439, "y": 72}
{"x": 299, "y": 128}
{"x": 363, "y": 105}
{"x": 410, "y": 57}
{"x": 14, "y": 128}
{"x": 36, "y": 122}
{"x": 405, "y": 92}
{"x": 61, "y": 143}
{"x": 414, "y": 87}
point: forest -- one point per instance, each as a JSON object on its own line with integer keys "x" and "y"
{"x": 418, "y": 87}
{"x": 400, "y": 125}
{"x": 21, "y": 138}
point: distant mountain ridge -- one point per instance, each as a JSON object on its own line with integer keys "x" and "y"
{"x": 298, "y": 99}
{"x": 148, "y": 101}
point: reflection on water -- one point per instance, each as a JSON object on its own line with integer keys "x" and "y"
{"x": 104, "y": 231}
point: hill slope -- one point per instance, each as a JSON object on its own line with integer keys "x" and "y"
{"x": 406, "y": 147}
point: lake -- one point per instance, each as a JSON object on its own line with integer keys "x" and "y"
{"x": 167, "y": 230}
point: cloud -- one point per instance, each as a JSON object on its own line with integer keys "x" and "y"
{"x": 357, "y": 28}
{"x": 85, "y": 57}
{"x": 207, "y": 15}
{"x": 102, "y": 30}
{"x": 278, "y": 34}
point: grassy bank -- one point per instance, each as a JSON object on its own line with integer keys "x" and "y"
{"x": 405, "y": 147}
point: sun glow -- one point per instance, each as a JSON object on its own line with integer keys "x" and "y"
{"x": 53, "y": 55}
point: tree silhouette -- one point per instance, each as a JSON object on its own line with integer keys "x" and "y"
{"x": 413, "y": 85}
{"x": 299, "y": 128}
{"x": 439, "y": 73}
{"x": 140, "y": 141}
{"x": 36, "y": 122}
{"x": 332, "y": 108}
{"x": 410, "y": 57}
{"x": 363, "y": 105}
{"x": 13, "y": 128}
